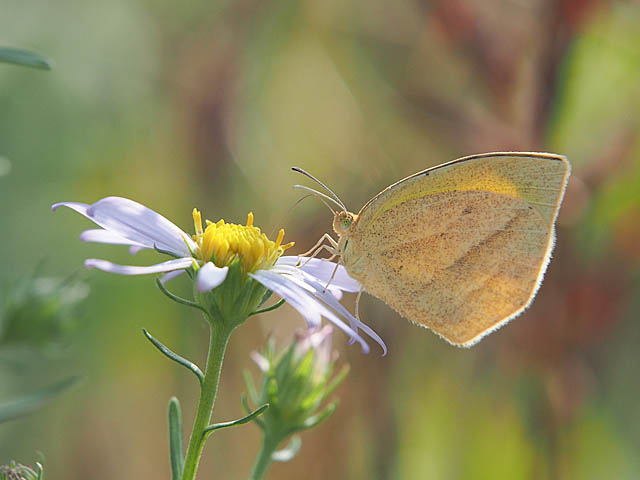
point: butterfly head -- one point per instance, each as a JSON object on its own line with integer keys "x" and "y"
{"x": 342, "y": 222}
{"x": 342, "y": 219}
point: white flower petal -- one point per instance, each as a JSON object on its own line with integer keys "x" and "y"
{"x": 318, "y": 339}
{"x": 329, "y": 299}
{"x": 322, "y": 270}
{"x": 98, "y": 235}
{"x": 170, "y": 276}
{"x": 209, "y": 277}
{"x": 318, "y": 290}
{"x": 299, "y": 296}
{"x": 336, "y": 292}
{"x": 135, "y": 222}
{"x": 291, "y": 294}
{"x": 261, "y": 361}
{"x": 178, "y": 263}
{"x": 81, "y": 208}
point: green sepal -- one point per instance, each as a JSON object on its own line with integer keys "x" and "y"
{"x": 180, "y": 300}
{"x": 18, "y": 56}
{"x": 317, "y": 419}
{"x": 33, "y": 401}
{"x": 176, "y": 451}
{"x": 272, "y": 389}
{"x": 289, "y": 452}
{"x": 268, "y": 309}
{"x": 247, "y": 418}
{"x": 267, "y": 296}
{"x": 251, "y": 386}
{"x": 175, "y": 357}
{"x": 337, "y": 380}
{"x": 235, "y": 299}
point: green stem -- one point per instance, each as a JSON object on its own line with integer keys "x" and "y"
{"x": 265, "y": 456}
{"x": 219, "y": 338}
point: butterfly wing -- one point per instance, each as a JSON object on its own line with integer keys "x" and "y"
{"x": 461, "y": 248}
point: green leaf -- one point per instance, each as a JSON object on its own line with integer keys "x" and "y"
{"x": 175, "y": 439}
{"x": 247, "y": 408}
{"x": 18, "y": 56}
{"x": 289, "y": 452}
{"x": 175, "y": 357}
{"x": 233, "y": 423}
{"x": 33, "y": 401}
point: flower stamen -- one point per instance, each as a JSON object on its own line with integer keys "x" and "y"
{"x": 197, "y": 222}
{"x": 222, "y": 243}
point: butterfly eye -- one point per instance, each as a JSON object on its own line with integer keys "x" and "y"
{"x": 342, "y": 222}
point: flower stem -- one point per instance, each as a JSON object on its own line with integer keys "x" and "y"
{"x": 265, "y": 456}
{"x": 218, "y": 343}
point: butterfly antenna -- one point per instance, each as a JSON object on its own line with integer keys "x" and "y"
{"x": 321, "y": 196}
{"x": 308, "y": 175}
{"x": 298, "y": 202}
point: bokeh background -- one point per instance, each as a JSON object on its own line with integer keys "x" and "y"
{"x": 209, "y": 104}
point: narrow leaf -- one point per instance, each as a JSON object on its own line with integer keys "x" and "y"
{"x": 175, "y": 439}
{"x": 18, "y": 56}
{"x": 245, "y": 406}
{"x": 175, "y": 357}
{"x": 33, "y": 401}
{"x": 289, "y": 452}
{"x": 233, "y": 423}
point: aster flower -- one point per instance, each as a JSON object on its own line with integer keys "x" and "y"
{"x": 208, "y": 256}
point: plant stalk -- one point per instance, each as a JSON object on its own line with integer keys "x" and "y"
{"x": 265, "y": 456}
{"x": 220, "y": 334}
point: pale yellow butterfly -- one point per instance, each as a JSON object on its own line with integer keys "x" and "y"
{"x": 460, "y": 248}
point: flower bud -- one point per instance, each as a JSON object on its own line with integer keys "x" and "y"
{"x": 40, "y": 312}
{"x": 16, "y": 471}
{"x": 296, "y": 382}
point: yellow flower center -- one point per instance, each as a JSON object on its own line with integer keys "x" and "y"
{"x": 223, "y": 242}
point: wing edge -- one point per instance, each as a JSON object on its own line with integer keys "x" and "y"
{"x": 549, "y": 156}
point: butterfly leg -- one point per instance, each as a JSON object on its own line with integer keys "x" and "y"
{"x": 332, "y": 276}
{"x": 358, "y": 304}
{"x": 329, "y": 249}
{"x": 318, "y": 244}
{"x": 332, "y": 248}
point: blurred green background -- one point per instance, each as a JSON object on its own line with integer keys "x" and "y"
{"x": 208, "y": 104}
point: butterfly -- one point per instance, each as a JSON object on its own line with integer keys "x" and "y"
{"x": 460, "y": 248}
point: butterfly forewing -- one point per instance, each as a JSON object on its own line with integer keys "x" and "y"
{"x": 461, "y": 248}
